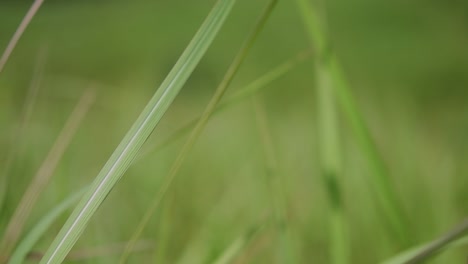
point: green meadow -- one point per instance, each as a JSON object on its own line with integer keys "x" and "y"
{"x": 224, "y": 131}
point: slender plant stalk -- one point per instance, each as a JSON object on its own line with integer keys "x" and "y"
{"x": 26, "y": 114}
{"x": 164, "y": 229}
{"x": 44, "y": 174}
{"x": 277, "y": 195}
{"x": 329, "y": 145}
{"x": 19, "y": 32}
{"x": 128, "y": 148}
{"x": 239, "y": 96}
{"x": 331, "y": 166}
{"x": 437, "y": 245}
{"x": 384, "y": 191}
{"x": 27, "y": 243}
{"x": 226, "y": 81}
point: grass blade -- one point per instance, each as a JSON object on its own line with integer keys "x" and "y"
{"x": 422, "y": 253}
{"x": 28, "y": 242}
{"x": 238, "y": 245}
{"x": 122, "y": 157}
{"x": 329, "y": 143}
{"x": 26, "y": 114}
{"x": 41, "y": 179}
{"x": 19, "y": 32}
{"x": 201, "y": 123}
{"x": 84, "y": 254}
{"x": 249, "y": 90}
{"x": 274, "y": 182}
{"x": 384, "y": 191}
{"x": 330, "y": 162}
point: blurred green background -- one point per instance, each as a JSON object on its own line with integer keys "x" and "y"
{"x": 406, "y": 61}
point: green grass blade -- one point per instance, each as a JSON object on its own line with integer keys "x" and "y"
{"x": 239, "y": 96}
{"x": 330, "y": 160}
{"x": 122, "y": 157}
{"x": 201, "y": 123}
{"x": 455, "y": 237}
{"x": 383, "y": 187}
{"x": 285, "y": 250}
{"x": 329, "y": 143}
{"x": 236, "y": 247}
{"x": 28, "y": 242}
{"x": 329, "y": 149}
{"x": 384, "y": 191}
{"x": 44, "y": 174}
{"x": 28, "y": 107}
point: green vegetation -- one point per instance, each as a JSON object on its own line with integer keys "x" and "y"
{"x": 335, "y": 133}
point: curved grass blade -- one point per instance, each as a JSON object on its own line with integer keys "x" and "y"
{"x": 128, "y": 148}
{"x": 249, "y": 90}
{"x": 28, "y": 242}
{"x": 19, "y": 32}
{"x": 44, "y": 174}
{"x": 384, "y": 190}
{"x": 220, "y": 90}
{"x": 456, "y": 237}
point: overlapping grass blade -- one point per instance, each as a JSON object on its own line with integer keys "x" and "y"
{"x": 286, "y": 248}
{"x": 329, "y": 145}
{"x": 201, "y": 123}
{"x": 236, "y": 247}
{"x": 386, "y": 196}
{"x": 239, "y": 96}
{"x": 331, "y": 166}
{"x": 44, "y": 174}
{"x": 28, "y": 242}
{"x": 424, "y": 252}
{"x": 26, "y": 114}
{"x": 19, "y": 32}
{"x": 128, "y": 148}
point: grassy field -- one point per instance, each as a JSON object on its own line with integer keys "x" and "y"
{"x": 289, "y": 173}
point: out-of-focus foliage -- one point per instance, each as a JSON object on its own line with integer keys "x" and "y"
{"x": 406, "y": 62}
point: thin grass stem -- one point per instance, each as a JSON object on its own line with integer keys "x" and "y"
{"x": 239, "y": 96}
{"x": 27, "y": 243}
{"x": 128, "y": 148}
{"x": 19, "y": 32}
{"x": 18, "y": 136}
{"x": 286, "y": 250}
{"x": 201, "y": 123}
{"x": 387, "y": 199}
{"x": 40, "y": 180}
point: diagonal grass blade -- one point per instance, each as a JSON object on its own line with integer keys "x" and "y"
{"x": 128, "y": 148}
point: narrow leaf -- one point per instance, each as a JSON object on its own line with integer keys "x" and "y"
{"x": 19, "y": 32}
{"x": 128, "y": 148}
{"x": 27, "y": 243}
{"x": 251, "y": 89}
{"x": 380, "y": 180}
{"x": 285, "y": 249}
{"x": 422, "y": 253}
{"x": 198, "y": 129}
{"x": 236, "y": 247}
{"x": 26, "y": 113}
{"x": 44, "y": 174}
